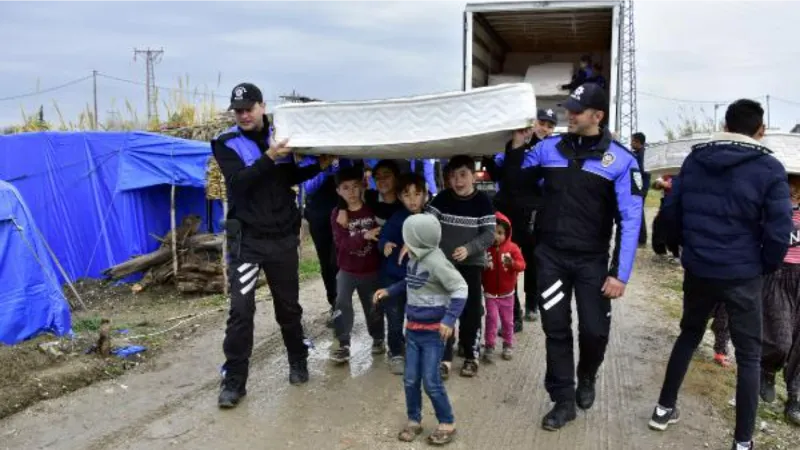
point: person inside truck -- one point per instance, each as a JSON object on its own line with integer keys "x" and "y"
{"x": 597, "y": 76}
{"x": 582, "y": 75}
{"x": 518, "y": 203}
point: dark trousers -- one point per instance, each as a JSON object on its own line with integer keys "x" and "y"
{"x": 721, "y": 330}
{"x": 522, "y": 236}
{"x": 643, "y": 227}
{"x": 281, "y": 269}
{"x": 781, "y": 346}
{"x": 469, "y": 323}
{"x": 559, "y": 273}
{"x": 322, "y": 236}
{"x": 659, "y": 240}
{"x": 394, "y": 309}
{"x": 742, "y": 299}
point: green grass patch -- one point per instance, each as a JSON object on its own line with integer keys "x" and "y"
{"x": 86, "y": 324}
{"x": 309, "y": 268}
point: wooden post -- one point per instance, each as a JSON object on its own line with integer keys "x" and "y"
{"x": 174, "y": 227}
{"x": 225, "y": 249}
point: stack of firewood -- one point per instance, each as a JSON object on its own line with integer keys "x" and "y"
{"x": 200, "y": 268}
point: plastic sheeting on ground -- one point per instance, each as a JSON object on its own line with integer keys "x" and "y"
{"x": 31, "y": 299}
{"x": 98, "y": 197}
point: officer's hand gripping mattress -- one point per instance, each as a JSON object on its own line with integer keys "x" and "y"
{"x": 667, "y": 158}
{"x": 476, "y": 122}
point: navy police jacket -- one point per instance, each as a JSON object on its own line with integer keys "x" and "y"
{"x": 259, "y": 190}
{"x": 584, "y": 190}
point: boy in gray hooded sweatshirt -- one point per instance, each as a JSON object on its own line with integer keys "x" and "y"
{"x": 436, "y": 294}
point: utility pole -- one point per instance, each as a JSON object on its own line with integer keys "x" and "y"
{"x": 627, "y": 113}
{"x": 151, "y": 58}
{"x": 94, "y": 82}
{"x": 768, "y": 111}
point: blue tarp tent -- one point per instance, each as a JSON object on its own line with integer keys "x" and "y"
{"x": 31, "y": 299}
{"x": 98, "y": 197}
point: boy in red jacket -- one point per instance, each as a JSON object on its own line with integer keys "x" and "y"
{"x": 505, "y": 262}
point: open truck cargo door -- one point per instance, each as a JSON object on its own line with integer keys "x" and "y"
{"x": 541, "y": 43}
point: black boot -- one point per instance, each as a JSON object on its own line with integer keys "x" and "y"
{"x": 585, "y": 393}
{"x": 298, "y": 371}
{"x": 232, "y": 391}
{"x": 792, "y": 410}
{"x": 561, "y": 414}
{"x": 767, "y": 387}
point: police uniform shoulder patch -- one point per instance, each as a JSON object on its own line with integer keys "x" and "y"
{"x": 637, "y": 182}
{"x": 608, "y": 159}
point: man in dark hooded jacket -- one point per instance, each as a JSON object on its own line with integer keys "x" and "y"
{"x": 731, "y": 212}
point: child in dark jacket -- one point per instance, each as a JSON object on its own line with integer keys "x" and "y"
{"x": 358, "y": 261}
{"x": 413, "y": 195}
{"x": 505, "y": 262}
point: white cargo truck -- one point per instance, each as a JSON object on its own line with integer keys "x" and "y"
{"x": 541, "y": 42}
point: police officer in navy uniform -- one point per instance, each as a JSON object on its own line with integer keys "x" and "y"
{"x": 589, "y": 180}
{"x": 263, "y": 227}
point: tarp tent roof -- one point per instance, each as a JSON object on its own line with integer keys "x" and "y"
{"x": 98, "y": 196}
{"x": 31, "y": 299}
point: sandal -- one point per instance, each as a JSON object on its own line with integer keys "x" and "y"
{"x": 441, "y": 437}
{"x": 409, "y": 433}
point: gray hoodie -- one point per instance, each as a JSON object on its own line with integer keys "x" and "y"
{"x": 436, "y": 291}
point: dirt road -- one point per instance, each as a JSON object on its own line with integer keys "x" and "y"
{"x": 361, "y": 407}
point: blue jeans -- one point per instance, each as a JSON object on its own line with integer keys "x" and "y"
{"x": 424, "y": 350}
{"x": 395, "y": 310}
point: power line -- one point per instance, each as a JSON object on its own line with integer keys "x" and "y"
{"x": 44, "y": 91}
{"x": 151, "y": 57}
{"x": 681, "y": 100}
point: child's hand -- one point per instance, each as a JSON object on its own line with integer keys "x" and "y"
{"x": 403, "y": 254}
{"x": 372, "y": 235}
{"x": 489, "y": 264}
{"x": 389, "y": 248}
{"x": 445, "y": 332}
{"x": 380, "y": 294}
{"x": 460, "y": 254}
{"x": 341, "y": 219}
{"x": 507, "y": 261}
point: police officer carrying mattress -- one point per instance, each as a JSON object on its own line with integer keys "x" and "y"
{"x": 588, "y": 181}
{"x": 263, "y": 227}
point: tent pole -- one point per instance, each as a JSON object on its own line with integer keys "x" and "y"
{"x": 174, "y": 237}
{"x": 61, "y": 269}
{"x": 225, "y": 249}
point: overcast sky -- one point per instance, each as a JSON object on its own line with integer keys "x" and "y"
{"x": 702, "y": 51}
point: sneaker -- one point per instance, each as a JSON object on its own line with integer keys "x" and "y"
{"x": 767, "y": 387}
{"x": 341, "y": 355}
{"x": 378, "y": 347}
{"x": 742, "y": 445}
{"x": 508, "y": 353}
{"x": 298, "y": 372}
{"x": 721, "y": 359}
{"x": 561, "y": 414}
{"x": 488, "y": 355}
{"x": 673, "y": 261}
{"x": 397, "y": 365}
{"x": 329, "y": 320}
{"x": 470, "y": 368}
{"x": 585, "y": 393}
{"x": 232, "y": 390}
{"x": 444, "y": 370}
{"x": 664, "y": 417}
{"x": 792, "y": 411}
{"x": 531, "y": 316}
